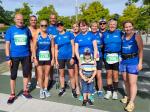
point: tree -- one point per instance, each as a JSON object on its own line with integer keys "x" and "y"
{"x": 93, "y": 12}
{"x": 45, "y": 12}
{"x": 131, "y": 12}
{"x": 5, "y": 16}
{"x": 145, "y": 2}
{"x": 25, "y": 11}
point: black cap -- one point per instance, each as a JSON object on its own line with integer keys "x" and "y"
{"x": 87, "y": 51}
{"x": 60, "y": 23}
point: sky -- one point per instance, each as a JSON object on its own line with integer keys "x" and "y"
{"x": 65, "y": 7}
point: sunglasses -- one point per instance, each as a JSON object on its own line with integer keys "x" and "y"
{"x": 102, "y": 23}
{"x": 43, "y": 25}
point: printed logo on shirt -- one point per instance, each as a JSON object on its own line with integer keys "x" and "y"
{"x": 115, "y": 35}
{"x": 128, "y": 47}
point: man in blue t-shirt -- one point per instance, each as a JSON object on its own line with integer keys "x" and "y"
{"x": 112, "y": 48}
{"x": 52, "y": 29}
{"x": 18, "y": 50}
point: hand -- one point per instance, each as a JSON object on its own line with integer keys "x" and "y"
{"x": 71, "y": 61}
{"x": 140, "y": 66}
{"x": 35, "y": 62}
{"x": 52, "y": 62}
{"x": 90, "y": 80}
{"x": 57, "y": 64}
{"x": 85, "y": 79}
{"x": 9, "y": 63}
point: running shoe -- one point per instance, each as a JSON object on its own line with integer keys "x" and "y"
{"x": 84, "y": 102}
{"x": 90, "y": 102}
{"x": 11, "y": 99}
{"x": 42, "y": 95}
{"x": 115, "y": 95}
{"x": 62, "y": 92}
{"x": 100, "y": 94}
{"x": 47, "y": 93}
{"x": 74, "y": 94}
{"x": 26, "y": 95}
{"x": 130, "y": 107}
{"x": 108, "y": 95}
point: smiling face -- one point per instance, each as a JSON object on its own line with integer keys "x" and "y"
{"x": 19, "y": 20}
{"x": 112, "y": 25}
{"x": 33, "y": 21}
{"x": 75, "y": 28}
{"x": 102, "y": 25}
{"x": 52, "y": 19}
{"x": 83, "y": 28}
{"x": 128, "y": 28}
{"x": 43, "y": 25}
{"x": 94, "y": 27}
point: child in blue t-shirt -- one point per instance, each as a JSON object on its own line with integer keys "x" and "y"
{"x": 87, "y": 73}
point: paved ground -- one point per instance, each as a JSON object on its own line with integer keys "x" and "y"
{"x": 67, "y": 103}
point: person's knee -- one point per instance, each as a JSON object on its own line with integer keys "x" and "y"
{"x": 13, "y": 76}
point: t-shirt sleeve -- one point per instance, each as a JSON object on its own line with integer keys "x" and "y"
{"x": 93, "y": 37}
{"x": 8, "y": 35}
{"x": 76, "y": 39}
{"x": 72, "y": 36}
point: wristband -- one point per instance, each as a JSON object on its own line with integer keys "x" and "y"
{"x": 7, "y": 58}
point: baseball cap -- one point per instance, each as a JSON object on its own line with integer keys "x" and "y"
{"x": 87, "y": 51}
{"x": 102, "y": 20}
{"x": 60, "y": 23}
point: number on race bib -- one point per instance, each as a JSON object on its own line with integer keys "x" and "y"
{"x": 44, "y": 55}
{"x": 112, "y": 58}
{"x": 20, "y": 39}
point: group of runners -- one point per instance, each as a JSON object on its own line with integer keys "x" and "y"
{"x": 82, "y": 51}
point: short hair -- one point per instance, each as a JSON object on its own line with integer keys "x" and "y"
{"x": 94, "y": 22}
{"x": 127, "y": 21}
{"x": 84, "y": 22}
{"x": 112, "y": 20}
{"x": 33, "y": 16}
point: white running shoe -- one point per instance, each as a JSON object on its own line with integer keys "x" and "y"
{"x": 108, "y": 95}
{"x": 115, "y": 95}
{"x": 42, "y": 95}
{"x": 47, "y": 93}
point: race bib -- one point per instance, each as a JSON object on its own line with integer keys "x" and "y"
{"x": 112, "y": 58}
{"x": 20, "y": 39}
{"x": 44, "y": 55}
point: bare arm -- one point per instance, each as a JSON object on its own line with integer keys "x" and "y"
{"x": 52, "y": 48}
{"x": 56, "y": 54}
{"x": 73, "y": 48}
{"x": 7, "y": 47}
{"x": 77, "y": 51}
{"x": 95, "y": 48}
{"x": 140, "y": 53}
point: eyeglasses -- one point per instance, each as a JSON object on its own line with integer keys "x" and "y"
{"x": 43, "y": 25}
{"x": 102, "y": 23}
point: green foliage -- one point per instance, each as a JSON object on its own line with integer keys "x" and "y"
{"x": 94, "y": 12}
{"x": 45, "y": 12}
{"x": 25, "y": 11}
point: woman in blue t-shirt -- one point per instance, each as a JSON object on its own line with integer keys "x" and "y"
{"x": 131, "y": 64}
{"x": 76, "y": 31}
{"x": 98, "y": 34}
{"x": 43, "y": 57}
{"x": 64, "y": 55}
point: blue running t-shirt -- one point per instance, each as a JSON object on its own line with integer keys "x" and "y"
{"x": 99, "y": 42}
{"x": 19, "y": 39}
{"x": 85, "y": 41}
{"x": 64, "y": 45}
{"x": 52, "y": 29}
